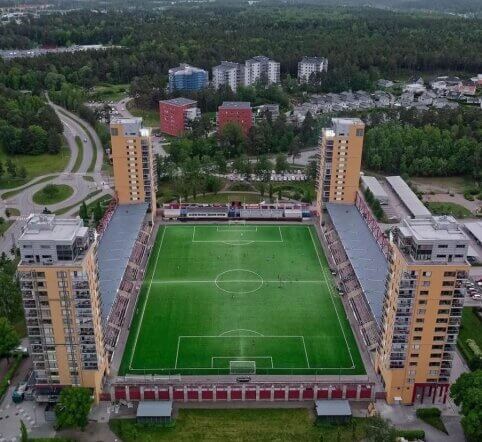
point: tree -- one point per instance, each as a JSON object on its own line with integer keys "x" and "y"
{"x": 281, "y": 164}
{"x": 379, "y": 430}
{"x": 232, "y": 139}
{"x": 312, "y": 170}
{"x": 8, "y": 337}
{"x": 11, "y": 168}
{"x": 23, "y": 432}
{"x": 73, "y": 407}
{"x": 83, "y": 212}
{"x": 261, "y": 186}
{"x": 213, "y": 184}
{"x": 2, "y": 171}
{"x": 467, "y": 393}
{"x": 295, "y": 148}
{"x": 98, "y": 212}
{"x": 22, "y": 172}
{"x": 10, "y": 296}
{"x": 263, "y": 168}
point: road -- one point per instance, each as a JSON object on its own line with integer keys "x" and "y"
{"x": 84, "y": 181}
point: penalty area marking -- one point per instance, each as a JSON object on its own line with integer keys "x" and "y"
{"x": 237, "y": 242}
{"x": 240, "y": 359}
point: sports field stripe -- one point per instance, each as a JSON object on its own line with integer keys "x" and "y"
{"x": 205, "y": 281}
{"x": 330, "y": 289}
{"x": 147, "y": 296}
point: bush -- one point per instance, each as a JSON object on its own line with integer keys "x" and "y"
{"x": 468, "y": 196}
{"x": 411, "y": 434}
{"x": 428, "y": 412}
{"x": 4, "y": 384}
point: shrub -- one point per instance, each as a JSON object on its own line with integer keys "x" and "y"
{"x": 411, "y": 434}
{"x": 428, "y": 412}
{"x": 4, "y": 384}
{"x": 468, "y": 196}
{"x": 474, "y": 347}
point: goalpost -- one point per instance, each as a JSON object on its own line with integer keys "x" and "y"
{"x": 242, "y": 367}
{"x": 237, "y": 222}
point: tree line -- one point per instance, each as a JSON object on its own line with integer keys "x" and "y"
{"x": 28, "y": 125}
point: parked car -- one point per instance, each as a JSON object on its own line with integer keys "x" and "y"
{"x": 477, "y": 296}
{"x": 18, "y": 394}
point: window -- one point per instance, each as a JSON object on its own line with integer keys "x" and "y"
{"x": 434, "y": 364}
{"x": 427, "y": 273}
{"x": 448, "y": 283}
{"x": 416, "y": 347}
{"x": 421, "y": 311}
{"x": 460, "y": 246}
{"x": 414, "y": 355}
{"x": 114, "y": 131}
{"x": 413, "y": 364}
{"x": 443, "y": 311}
{"x": 437, "y": 347}
{"x": 449, "y": 274}
{"x": 417, "y": 338}
{"x": 359, "y": 132}
{"x": 441, "y": 256}
{"x": 422, "y": 302}
{"x": 423, "y": 292}
{"x": 419, "y": 329}
{"x": 442, "y": 246}
{"x": 435, "y": 355}
{"x": 419, "y": 320}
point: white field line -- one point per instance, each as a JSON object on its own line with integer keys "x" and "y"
{"x": 227, "y": 241}
{"x": 203, "y": 281}
{"x": 330, "y": 289}
{"x": 241, "y": 359}
{"x": 306, "y": 352}
{"x": 280, "y": 234}
{"x": 147, "y": 297}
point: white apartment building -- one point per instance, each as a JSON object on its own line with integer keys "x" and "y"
{"x": 310, "y": 65}
{"x": 260, "y": 66}
{"x": 228, "y": 74}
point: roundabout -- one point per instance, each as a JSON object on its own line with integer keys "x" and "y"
{"x": 239, "y": 281}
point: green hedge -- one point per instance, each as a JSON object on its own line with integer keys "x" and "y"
{"x": 4, "y": 384}
{"x": 428, "y": 412}
{"x": 411, "y": 434}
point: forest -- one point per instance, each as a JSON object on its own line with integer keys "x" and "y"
{"x": 27, "y": 124}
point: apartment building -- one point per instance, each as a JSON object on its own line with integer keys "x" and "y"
{"x": 229, "y": 74}
{"x": 187, "y": 78}
{"x": 60, "y": 290}
{"x": 238, "y": 112}
{"x": 422, "y": 309}
{"x": 340, "y": 162}
{"x": 262, "y": 68}
{"x": 176, "y": 115}
{"x": 133, "y": 162}
{"x": 311, "y": 65}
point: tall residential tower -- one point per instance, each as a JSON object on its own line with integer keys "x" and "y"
{"x": 340, "y": 162}
{"x": 422, "y": 308}
{"x": 60, "y": 290}
{"x": 133, "y": 161}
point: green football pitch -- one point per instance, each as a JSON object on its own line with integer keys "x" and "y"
{"x": 239, "y": 298}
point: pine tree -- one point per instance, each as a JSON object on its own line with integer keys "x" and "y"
{"x": 83, "y": 212}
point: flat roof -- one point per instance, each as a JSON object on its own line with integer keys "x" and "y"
{"x": 154, "y": 409}
{"x": 435, "y": 228}
{"x": 181, "y": 101}
{"x": 475, "y": 228}
{"x": 333, "y": 407}
{"x": 364, "y": 253}
{"x": 408, "y": 197}
{"x": 375, "y": 187}
{"x": 236, "y": 105}
{"x": 52, "y": 228}
{"x": 115, "y": 248}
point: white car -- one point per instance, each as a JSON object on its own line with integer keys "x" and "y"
{"x": 477, "y": 296}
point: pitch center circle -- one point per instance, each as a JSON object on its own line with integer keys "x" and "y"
{"x": 239, "y": 281}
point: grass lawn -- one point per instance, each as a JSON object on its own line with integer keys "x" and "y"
{"x": 52, "y": 194}
{"x": 88, "y": 178}
{"x": 223, "y": 296}
{"x": 35, "y": 165}
{"x": 12, "y": 193}
{"x": 260, "y": 425}
{"x": 436, "y": 422}
{"x": 109, "y": 92}
{"x": 453, "y": 209}
{"x": 66, "y": 209}
{"x": 4, "y": 226}
{"x": 80, "y": 155}
{"x": 150, "y": 117}
{"x": 13, "y": 211}
{"x": 470, "y": 329}
{"x": 228, "y": 197}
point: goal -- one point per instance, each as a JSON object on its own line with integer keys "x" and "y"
{"x": 242, "y": 367}
{"x": 237, "y": 222}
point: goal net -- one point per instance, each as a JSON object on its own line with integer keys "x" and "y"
{"x": 237, "y": 222}
{"x": 242, "y": 367}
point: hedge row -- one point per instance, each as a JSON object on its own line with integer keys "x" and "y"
{"x": 411, "y": 434}
{"x": 428, "y": 412}
{"x": 4, "y": 383}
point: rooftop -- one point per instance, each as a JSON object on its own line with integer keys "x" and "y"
{"x": 408, "y": 197}
{"x": 342, "y": 125}
{"x": 236, "y": 105}
{"x": 375, "y": 187}
{"x": 333, "y": 407}
{"x": 364, "y": 254}
{"x": 436, "y": 228}
{"x": 184, "y": 68}
{"x": 227, "y": 65}
{"x": 313, "y": 60}
{"x": 154, "y": 409}
{"x": 475, "y": 228}
{"x": 52, "y": 228}
{"x": 115, "y": 248}
{"x": 181, "y": 101}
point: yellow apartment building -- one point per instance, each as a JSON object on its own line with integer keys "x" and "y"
{"x": 133, "y": 162}
{"x": 422, "y": 309}
{"x": 341, "y": 148}
{"x": 60, "y": 290}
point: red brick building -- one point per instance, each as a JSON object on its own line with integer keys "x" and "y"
{"x": 175, "y": 115}
{"x": 238, "y": 112}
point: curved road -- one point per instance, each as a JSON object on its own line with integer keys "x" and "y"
{"x": 73, "y": 127}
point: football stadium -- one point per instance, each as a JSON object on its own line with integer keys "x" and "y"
{"x": 239, "y": 299}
